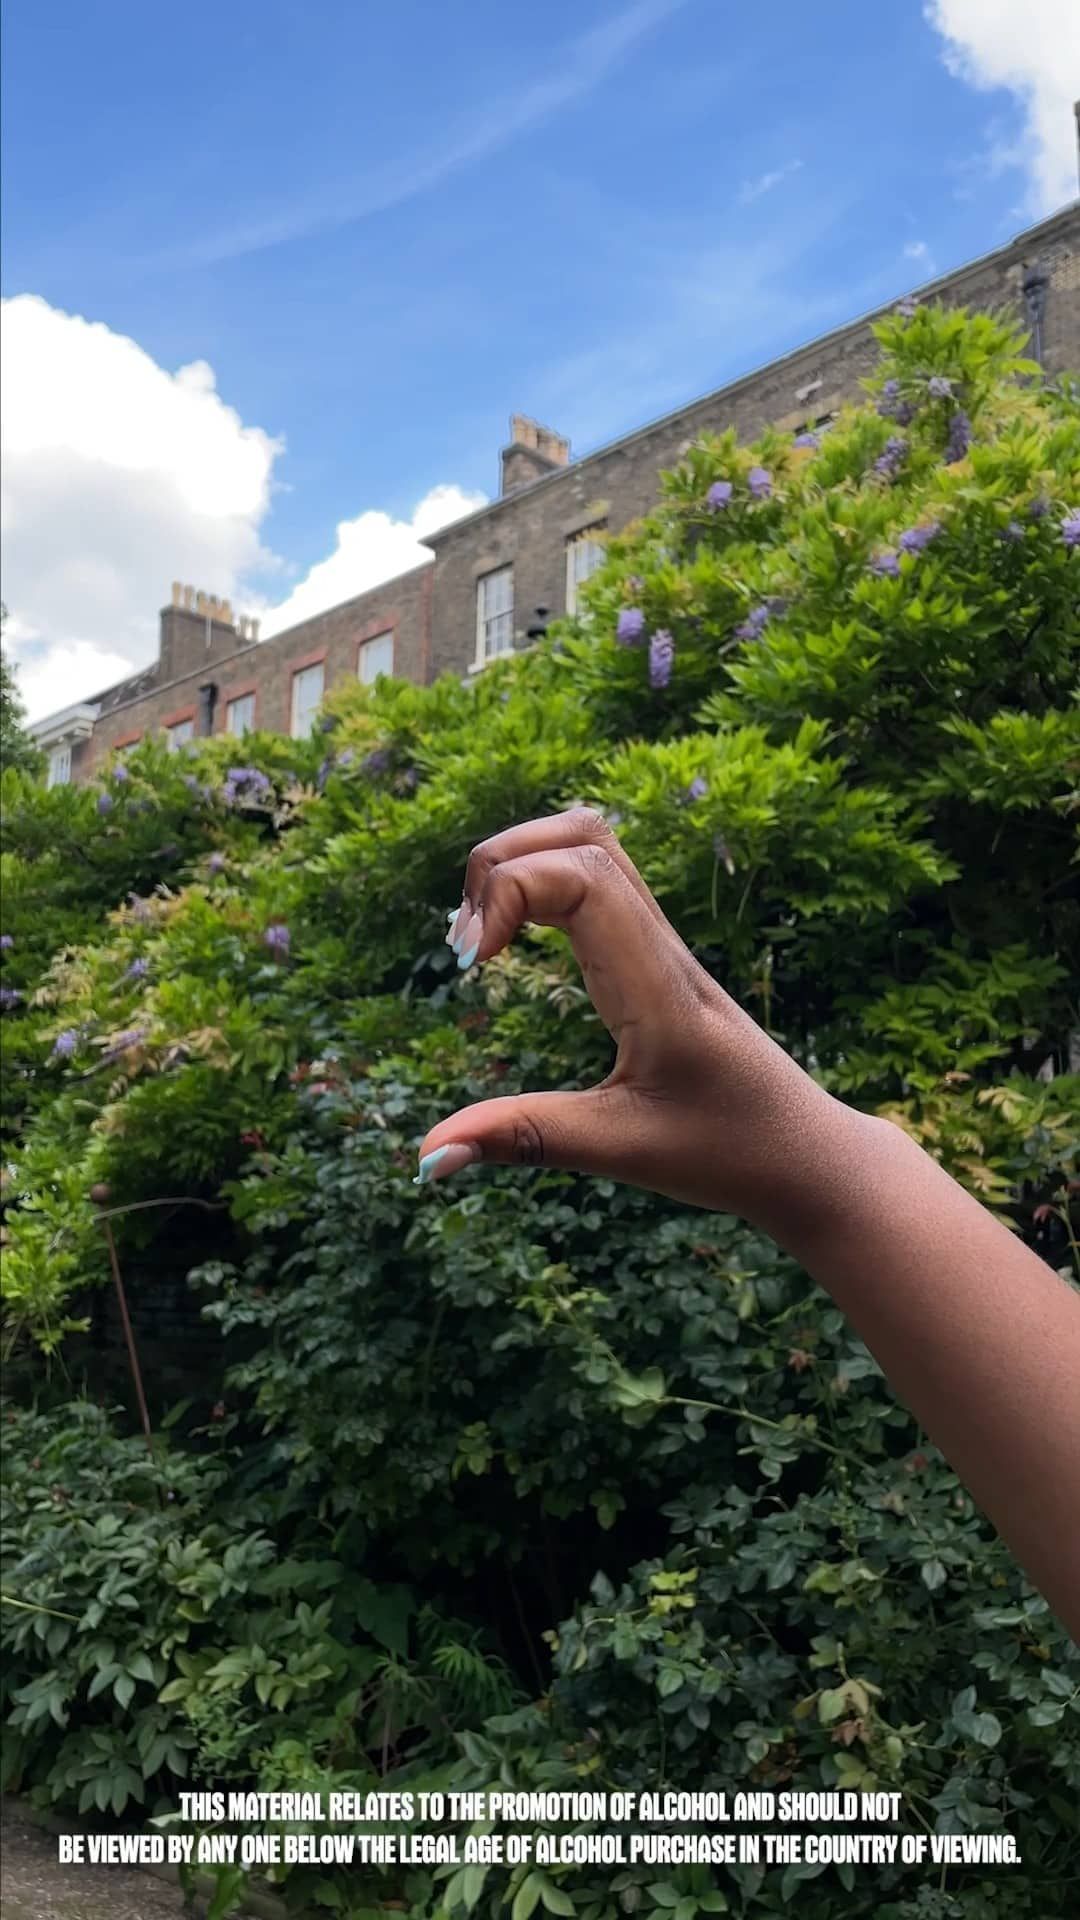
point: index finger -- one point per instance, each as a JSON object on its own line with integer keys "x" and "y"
{"x": 579, "y": 827}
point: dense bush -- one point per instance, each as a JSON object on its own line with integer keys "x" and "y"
{"x": 574, "y": 1484}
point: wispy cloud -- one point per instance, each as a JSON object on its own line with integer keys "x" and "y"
{"x": 919, "y": 252}
{"x": 765, "y": 182}
{"x": 584, "y": 63}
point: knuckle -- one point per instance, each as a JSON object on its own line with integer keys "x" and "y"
{"x": 596, "y": 862}
{"x": 527, "y": 1142}
{"x": 588, "y": 823}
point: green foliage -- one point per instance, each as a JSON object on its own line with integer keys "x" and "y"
{"x": 533, "y": 1478}
{"x": 17, "y": 749}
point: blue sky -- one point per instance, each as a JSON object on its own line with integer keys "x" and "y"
{"x": 386, "y": 227}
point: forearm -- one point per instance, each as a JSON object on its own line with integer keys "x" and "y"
{"x": 979, "y": 1338}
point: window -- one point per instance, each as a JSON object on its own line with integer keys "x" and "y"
{"x": 376, "y": 656}
{"x": 240, "y": 714}
{"x": 59, "y": 767}
{"x": 178, "y": 734}
{"x": 584, "y": 554}
{"x": 494, "y": 615}
{"x": 307, "y": 692}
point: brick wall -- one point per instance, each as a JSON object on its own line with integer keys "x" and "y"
{"x": 400, "y": 607}
{"x": 529, "y": 529}
{"x": 431, "y": 611}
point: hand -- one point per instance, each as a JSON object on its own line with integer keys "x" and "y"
{"x": 700, "y": 1104}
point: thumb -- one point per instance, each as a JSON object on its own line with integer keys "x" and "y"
{"x": 585, "y": 1132}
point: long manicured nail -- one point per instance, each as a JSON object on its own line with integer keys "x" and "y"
{"x": 470, "y": 945}
{"x": 466, "y": 930}
{"x": 459, "y": 926}
{"x": 444, "y": 1161}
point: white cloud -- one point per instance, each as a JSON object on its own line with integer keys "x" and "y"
{"x": 919, "y": 252}
{"x": 118, "y": 477}
{"x": 371, "y": 548}
{"x": 1032, "y": 51}
{"x": 753, "y": 189}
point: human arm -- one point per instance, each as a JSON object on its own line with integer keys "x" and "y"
{"x": 976, "y": 1334}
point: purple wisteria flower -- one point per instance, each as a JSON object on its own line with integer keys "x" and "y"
{"x": 246, "y": 784}
{"x": 697, "y": 790}
{"x": 66, "y": 1043}
{"x": 661, "y": 659}
{"x": 755, "y": 623}
{"x": 138, "y": 970}
{"x": 1013, "y": 531}
{"x": 885, "y": 564}
{"x": 630, "y": 626}
{"x": 140, "y": 909}
{"x": 890, "y": 460}
{"x": 409, "y": 780}
{"x": 1070, "y": 528}
{"x": 1039, "y": 507}
{"x": 121, "y": 773}
{"x": 719, "y": 495}
{"x": 277, "y": 938}
{"x": 890, "y": 394}
{"x": 377, "y": 762}
{"x": 959, "y": 438}
{"x": 9, "y": 997}
{"x": 6, "y": 941}
{"x": 759, "y": 481}
{"x": 807, "y": 439}
{"x": 104, "y": 803}
{"x": 215, "y": 863}
{"x": 914, "y": 539}
{"x": 938, "y": 387}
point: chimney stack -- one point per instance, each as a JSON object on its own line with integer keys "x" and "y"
{"x": 533, "y": 451}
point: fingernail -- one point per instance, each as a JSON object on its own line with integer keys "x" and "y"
{"x": 444, "y": 1161}
{"x": 467, "y": 931}
{"x": 459, "y": 926}
{"x": 474, "y": 933}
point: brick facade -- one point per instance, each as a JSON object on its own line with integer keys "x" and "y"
{"x": 546, "y": 501}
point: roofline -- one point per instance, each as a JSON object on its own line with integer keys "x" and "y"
{"x": 927, "y": 288}
{"x": 244, "y": 650}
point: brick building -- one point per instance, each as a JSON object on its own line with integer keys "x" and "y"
{"x": 492, "y": 571}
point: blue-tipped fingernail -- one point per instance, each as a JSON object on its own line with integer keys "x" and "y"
{"x": 428, "y": 1165}
{"x": 453, "y": 914}
{"x": 444, "y": 1160}
{"x": 466, "y": 959}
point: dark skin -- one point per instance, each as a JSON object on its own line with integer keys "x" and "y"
{"x": 979, "y": 1338}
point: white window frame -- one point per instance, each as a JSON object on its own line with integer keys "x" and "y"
{"x": 59, "y": 774}
{"x": 583, "y": 546}
{"x": 365, "y": 652}
{"x": 302, "y": 676}
{"x": 494, "y": 615}
{"x": 246, "y": 700}
{"x": 179, "y": 734}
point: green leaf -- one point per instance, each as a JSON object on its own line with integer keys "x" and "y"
{"x": 555, "y": 1900}
{"x": 526, "y": 1898}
